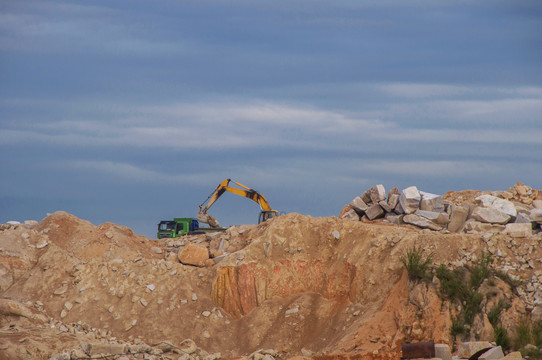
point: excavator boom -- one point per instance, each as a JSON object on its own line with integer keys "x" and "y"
{"x": 266, "y": 210}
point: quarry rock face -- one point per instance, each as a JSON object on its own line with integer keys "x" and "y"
{"x": 294, "y": 286}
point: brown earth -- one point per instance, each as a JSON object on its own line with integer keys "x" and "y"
{"x": 325, "y": 288}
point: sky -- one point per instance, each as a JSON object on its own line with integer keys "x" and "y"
{"x": 133, "y": 112}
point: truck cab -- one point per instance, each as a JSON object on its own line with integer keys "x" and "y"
{"x": 178, "y": 227}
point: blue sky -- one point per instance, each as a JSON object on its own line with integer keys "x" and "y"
{"x": 133, "y": 111}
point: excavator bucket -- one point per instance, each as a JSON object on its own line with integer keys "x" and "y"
{"x": 207, "y": 219}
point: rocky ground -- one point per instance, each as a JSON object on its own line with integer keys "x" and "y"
{"x": 294, "y": 286}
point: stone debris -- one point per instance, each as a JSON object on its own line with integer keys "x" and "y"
{"x": 512, "y": 212}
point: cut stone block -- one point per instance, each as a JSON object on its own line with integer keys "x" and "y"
{"x": 443, "y": 351}
{"x": 514, "y": 355}
{"x": 492, "y": 354}
{"x": 431, "y": 202}
{"x": 410, "y": 199}
{"x": 399, "y": 209}
{"x": 394, "y": 191}
{"x": 393, "y": 200}
{"x": 494, "y": 202}
{"x": 467, "y": 349}
{"x": 377, "y": 193}
{"x": 440, "y": 218}
{"x": 535, "y": 215}
{"x": 458, "y": 217}
{"x": 537, "y": 204}
{"x": 472, "y": 225}
{"x": 350, "y": 215}
{"x": 523, "y": 219}
{"x": 490, "y": 215}
{"x": 374, "y": 211}
{"x": 359, "y": 205}
{"x": 421, "y": 222}
{"x": 394, "y": 218}
{"x": 519, "y": 230}
{"x": 384, "y": 205}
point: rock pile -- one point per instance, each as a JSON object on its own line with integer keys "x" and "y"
{"x": 517, "y": 212}
{"x": 208, "y": 249}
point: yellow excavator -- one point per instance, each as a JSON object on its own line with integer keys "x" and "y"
{"x": 266, "y": 211}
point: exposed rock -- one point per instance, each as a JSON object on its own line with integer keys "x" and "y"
{"x": 537, "y": 204}
{"x": 194, "y": 254}
{"x": 410, "y": 199}
{"x": 421, "y": 222}
{"x": 536, "y": 313}
{"x": 494, "y": 202}
{"x": 490, "y": 215}
{"x": 514, "y": 355}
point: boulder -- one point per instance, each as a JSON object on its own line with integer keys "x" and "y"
{"x": 467, "y": 349}
{"x": 523, "y": 219}
{"x": 106, "y": 349}
{"x": 431, "y": 202}
{"x": 490, "y": 215}
{"x": 536, "y": 215}
{"x": 443, "y": 351}
{"x": 421, "y": 222}
{"x": 519, "y": 230}
{"x": 384, "y": 205}
{"x": 350, "y": 215}
{"x": 494, "y": 202}
{"x": 472, "y": 225}
{"x": 377, "y": 193}
{"x": 458, "y": 217}
{"x": 492, "y": 354}
{"x": 374, "y": 211}
{"x": 193, "y": 254}
{"x": 410, "y": 199}
{"x": 514, "y": 355}
{"x": 440, "y": 218}
{"x": 394, "y": 218}
{"x": 393, "y": 200}
{"x": 359, "y": 205}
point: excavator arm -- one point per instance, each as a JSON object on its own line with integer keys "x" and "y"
{"x": 266, "y": 211}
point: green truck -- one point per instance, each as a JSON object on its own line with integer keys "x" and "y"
{"x": 182, "y": 226}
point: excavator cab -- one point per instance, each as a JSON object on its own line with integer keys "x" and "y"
{"x": 266, "y": 215}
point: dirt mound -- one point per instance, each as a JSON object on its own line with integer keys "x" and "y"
{"x": 295, "y": 285}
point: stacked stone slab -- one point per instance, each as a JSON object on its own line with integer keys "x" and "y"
{"x": 491, "y": 213}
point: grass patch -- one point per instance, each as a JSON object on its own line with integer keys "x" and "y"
{"x": 494, "y": 314}
{"x": 416, "y": 266}
{"x": 451, "y": 283}
{"x": 481, "y": 271}
{"x": 501, "y": 337}
{"x": 523, "y": 335}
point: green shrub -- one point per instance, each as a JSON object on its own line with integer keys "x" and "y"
{"x": 458, "y": 327}
{"x": 501, "y": 337}
{"x": 494, "y": 314}
{"x": 481, "y": 271}
{"x": 415, "y": 265}
{"x": 451, "y": 283}
{"x": 536, "y": 333}
{"x": 523, "y": 335}
{"x": 473, "y": 305}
